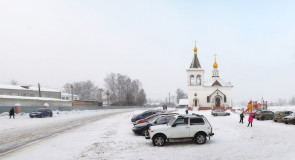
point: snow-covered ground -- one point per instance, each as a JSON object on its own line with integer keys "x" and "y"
{"x": 112, "y": 138}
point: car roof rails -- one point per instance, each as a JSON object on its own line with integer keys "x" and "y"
{"x": 197, "y": 114}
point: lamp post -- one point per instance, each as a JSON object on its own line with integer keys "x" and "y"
{"x": 108, "y": 94}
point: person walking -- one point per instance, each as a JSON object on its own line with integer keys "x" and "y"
{"x": 11, "y": 113}
{"x": 250, "y": 119}
{"x": 242, "y": 117}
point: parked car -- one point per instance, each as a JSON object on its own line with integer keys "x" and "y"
{"x": 254, "y": 113}
{"x": 150, "y": 117}
{"x": 181, "y": 128}
{"x": 263, "y": 115}
{"x": 220, "y": 112}
{"x": 41, "y": 112}
{"x": 144, "y": 115}
{"x": 289, "y": 119}
{"x": 279, "y": 115}
{"x": 156, "y": 120}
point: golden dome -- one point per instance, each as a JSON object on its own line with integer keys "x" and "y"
{"x": 195, "y": 49}
{"x": 215, "y": 64}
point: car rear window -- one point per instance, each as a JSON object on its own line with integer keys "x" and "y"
{"x": 277, "y": 112}
{"x": 197, "y": 121}
{"x": 267, "y": 112}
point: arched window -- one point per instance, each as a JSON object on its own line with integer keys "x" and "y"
{"x": 198, "y": 80}
{"x": 192, "y": 80}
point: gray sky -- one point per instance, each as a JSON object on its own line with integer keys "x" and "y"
{"x": 54, "y": 42}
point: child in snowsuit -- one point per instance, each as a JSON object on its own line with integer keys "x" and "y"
{"x": 241, "y": 117}
{"x": 11, "y": 113}
{"x": 250, "y": 120}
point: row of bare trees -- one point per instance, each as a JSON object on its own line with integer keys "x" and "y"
{"x": 119, "y": 90}
{"x": 86, "y": 90}
{"x": 124, "y": 91}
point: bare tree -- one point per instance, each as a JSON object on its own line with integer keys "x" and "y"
{"x": 122, "y": 89}
{"x": 14, "y": 82}
{"x": 180, "y": 95}
{"x": 282, "y": 102}
{"x": 292, "y": 101}
{"x": 86, "y": 90}
{"x": 141, "y": 98}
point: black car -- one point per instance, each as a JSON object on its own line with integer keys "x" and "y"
{"x": 41, "y": 112}
{"x": 144, "y": 115}
{"x": 157, "y": 120}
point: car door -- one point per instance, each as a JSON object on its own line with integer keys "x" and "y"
{"x": 47, "y": 112}
{"x": 196, "y": 125}
{"x": 180, "y": 128}
{"x": 222, "y": 113}
{"x": 219, "y": 113}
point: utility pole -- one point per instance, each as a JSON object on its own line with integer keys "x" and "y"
{"x": 72, "y": 89}
{"x": 39, "y": 89}
{"x": 169, "y": 98}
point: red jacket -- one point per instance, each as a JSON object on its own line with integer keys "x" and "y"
{"x": 250, "y": 118}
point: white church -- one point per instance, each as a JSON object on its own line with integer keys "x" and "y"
{"x": 211, "y": 94}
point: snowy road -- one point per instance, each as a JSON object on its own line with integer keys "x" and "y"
{"x": 11, "y": 139}
{"x": 111, "y": 138}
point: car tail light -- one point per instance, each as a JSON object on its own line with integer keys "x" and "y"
{"x": 280, "y": 115}
{"x": 152, "y": 131}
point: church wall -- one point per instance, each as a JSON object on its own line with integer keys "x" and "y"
{"x": 203, "y": 92}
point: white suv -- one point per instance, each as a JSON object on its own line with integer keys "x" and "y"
{"x": 181, "y": 128}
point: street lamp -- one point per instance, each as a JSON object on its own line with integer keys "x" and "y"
{"x": 108, "y": 94}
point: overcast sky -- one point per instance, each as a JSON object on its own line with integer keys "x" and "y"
{"x": 54, "y": 42}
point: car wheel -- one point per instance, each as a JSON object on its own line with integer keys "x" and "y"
{"x": 275, "y": 120}
{"x": 200, "y": 138}
{"x": 31, "y": 116}
{"x": 286, "y": 122}
{"x": 159, "y": 140}
{"x": 50, "y": 115}
{"x": 215, "y": 114}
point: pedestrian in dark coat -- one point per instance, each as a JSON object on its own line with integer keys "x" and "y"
{"x": 242, "y": 117}
{"x": 11, "y": 113}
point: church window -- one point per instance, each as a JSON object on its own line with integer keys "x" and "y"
{"x": 224, "y": 99}
{"x": 198, "y": 80}
{"x": 192, "y": 80}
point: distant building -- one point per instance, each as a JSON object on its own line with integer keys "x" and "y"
{"x": 28, "y": 91}
{"x": 183, "y": 103}
{"x": 68, "y": 96}
{"x": 214, "y": 93}
{"x": 29, "y": 96}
